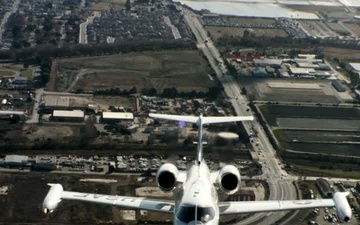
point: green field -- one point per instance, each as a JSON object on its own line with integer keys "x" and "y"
{"x": 184, "y": 70}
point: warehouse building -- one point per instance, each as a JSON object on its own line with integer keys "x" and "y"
{"x": 44, "y": 162}
{"x": 115, "y": 117}
{"x": 275, "y": 63}
{"x": 68, "y": 102}
{"x": 302, "y": 72}
{"x": 68, "y": 116}
{"x": 324, "y": 187}
{"x": 339, "y": 87}
{"x": 15, "y": 161}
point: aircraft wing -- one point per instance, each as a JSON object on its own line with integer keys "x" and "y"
{"x": 339, "y": 201}
{"x": 224, "y": 119}
{"x": 267, "y": 206}
{"x": 56, "y": 194}
{"x": 189, "y": 119}
{"x": 205, "y": 120}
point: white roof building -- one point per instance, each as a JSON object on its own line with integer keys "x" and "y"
{"x": 117, "y": 116}
{"x": 355, "y": 66}
{"x": 68, "y": 113}
{"x": 302, "y": 71}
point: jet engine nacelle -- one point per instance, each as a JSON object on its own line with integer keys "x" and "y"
{"x": 343, "y": 209}
{"x": 229, "y": 179}
{"x": 53, "y": 198}
{"x": 166, "y": 177}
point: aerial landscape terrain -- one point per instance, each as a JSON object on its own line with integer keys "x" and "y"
{"x": 80, "y": 78}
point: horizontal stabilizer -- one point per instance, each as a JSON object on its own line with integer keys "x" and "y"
{"x": 204, "y": 120}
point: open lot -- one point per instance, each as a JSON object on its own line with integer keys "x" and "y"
{"x": 355, "y": 28}
{"x": 342, "y": 53}
{"x": 217, "y": 32}
{"x": 185, "y": 70}
{"x": 262, "y": 90}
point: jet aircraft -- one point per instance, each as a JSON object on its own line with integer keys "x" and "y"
{"x": 196, "y": 200}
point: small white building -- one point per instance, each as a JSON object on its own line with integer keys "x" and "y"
{"x": 113, "y": 117}
{"x": 68, "y": 115}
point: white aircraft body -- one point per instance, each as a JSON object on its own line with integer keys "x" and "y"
{"x": 196, "y": 200}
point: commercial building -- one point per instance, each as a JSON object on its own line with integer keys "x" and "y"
{"x": 302, "y": 72}
{"x": 324, "y": 187}
{"x": 339, "y": 87}
{"x": 15, "y": 160}
{"x": 260, "y": 72}
{"x": 66, "y": 102}
{"x": 275, "y": 63}
{"x": 68, "y": 116}
{"x": 44, "y": 162}
{"x": 20, "y": 81}
{"x": 115, "y": 117}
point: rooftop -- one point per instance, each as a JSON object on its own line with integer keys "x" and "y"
{"x": 355, "y": 66}
{"x": 117, "y": 115}
{"x": 68, "y": 113}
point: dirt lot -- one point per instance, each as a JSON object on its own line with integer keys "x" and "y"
{"x": 184, "y": 70}
{"x": 353, "y": 27}
{"x": 217, "y": 32}
{"x": 342, "y": 53}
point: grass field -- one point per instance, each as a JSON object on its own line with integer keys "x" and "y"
{"x": 217, "y": 32}
{"x": 254, "y": 21}
{"x": 109, "y": 4}
{"x": 185, "y": 70}
{"x": 315, "y": 171}
{"x": 5, "y": 73}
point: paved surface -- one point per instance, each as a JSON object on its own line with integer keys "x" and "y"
{"x": 6, "y": 17}
{"x": 83, "y": 28}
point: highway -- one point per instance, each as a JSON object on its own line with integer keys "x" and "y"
{"x": 280, "y": 183}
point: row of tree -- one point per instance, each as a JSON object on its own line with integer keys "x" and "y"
{"x": 36, "y": 54}
{"x": 212, "y": 93}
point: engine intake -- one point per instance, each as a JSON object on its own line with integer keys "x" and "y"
{"x": 229, "y": 179}
{"x": 53, "y": 198}
{"x": 166, "y": 177}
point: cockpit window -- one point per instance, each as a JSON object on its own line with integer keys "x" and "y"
{"x": 186, "y": 214}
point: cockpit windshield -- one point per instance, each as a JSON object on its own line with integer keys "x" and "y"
{"x": 187, "y": 213}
